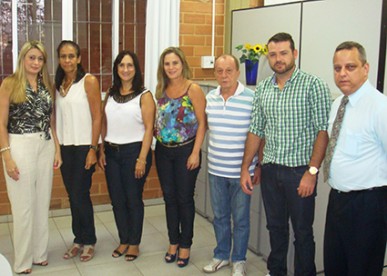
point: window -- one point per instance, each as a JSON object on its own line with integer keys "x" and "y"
{"x": 42, "y": 20}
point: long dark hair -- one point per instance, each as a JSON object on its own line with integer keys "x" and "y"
{"x": 60, "y": 74}
{"x": 137, "y": 82}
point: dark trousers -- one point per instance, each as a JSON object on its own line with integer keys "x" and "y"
{"x": 355, "y": 233}
{"x": 178, "y": 185}
{"x": 279, "y": 192}
{"x": 125, "y": 190}
{"x": 77, "y": 181}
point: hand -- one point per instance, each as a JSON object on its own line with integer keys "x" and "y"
{"x": 193, "y": 161}
{"x": 102, "y": 160}
{"x": 57, "y": 160}
{"x": 257, "y": 175}
{"x": 246, "y": 183}
{"x": 91, "y": 159}
{"x": 12, "y": 170}
{"x": 307, "y": 185}
{"x": 139, "y": 170}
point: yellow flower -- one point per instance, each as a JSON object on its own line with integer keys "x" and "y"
{"x": 251, "y": 52}
{"x": 248, "y": 46}
{"x": 265, "y": 50}
{"x": 258, "y": 48}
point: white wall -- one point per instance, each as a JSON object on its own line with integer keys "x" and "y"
{"x": 317, "y": 29}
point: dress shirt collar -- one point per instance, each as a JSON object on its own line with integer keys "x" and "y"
{"x": 357, "y": 95}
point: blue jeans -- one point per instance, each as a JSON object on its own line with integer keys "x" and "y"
{"x": 228, "y": 198}
{"x": 178, "y": 185}
{"x": 77, "y": 181}
{"x": 279, "y": 192}
{"x": 125, "y": 190}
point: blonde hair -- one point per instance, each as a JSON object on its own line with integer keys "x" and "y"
{"x": 162, "y": 78}
{"x": 18, "y": 80}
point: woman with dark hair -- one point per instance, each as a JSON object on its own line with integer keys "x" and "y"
{"x": 29, "y": 149}
{"x": 180, "y": 130}
{"x": 78, "y": 120}
{"x": 127, "y": 130}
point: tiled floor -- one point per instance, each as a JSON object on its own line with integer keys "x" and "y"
{"x": 153, "y": 246}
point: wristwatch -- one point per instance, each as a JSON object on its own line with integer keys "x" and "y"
{"x": 95, "y": 148}
{"x": 313, "y": 170}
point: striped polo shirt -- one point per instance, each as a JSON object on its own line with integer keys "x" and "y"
{"x": 228, "y": 123}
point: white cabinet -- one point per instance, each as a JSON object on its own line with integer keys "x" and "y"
{"x": 202, "y": 193}
{"x": 255, "y": 214}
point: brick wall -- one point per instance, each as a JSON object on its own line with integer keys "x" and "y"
{"x": 196, "y": 33}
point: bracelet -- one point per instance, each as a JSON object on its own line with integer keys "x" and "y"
{"x": 141, "y": 161}
{"x": 5, "y": 149}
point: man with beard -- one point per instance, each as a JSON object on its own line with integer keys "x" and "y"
{"x": 290, "y": 111}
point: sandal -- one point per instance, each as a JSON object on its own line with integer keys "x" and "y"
{"x": 182, "y": 262}
{"x": 87, "y": 253}
{"x": 44, "y": 263}
{"x": 73, "y": 251}
{"x": 170, "y": 257}
{"x": 27, "y": 271}
{"x": 130, "y": 256}
{"x": 117, "y": 253}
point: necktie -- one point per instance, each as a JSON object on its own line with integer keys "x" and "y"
{"x": 334, "y": 136}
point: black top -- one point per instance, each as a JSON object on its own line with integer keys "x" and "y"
{"x": 33, "y": 115}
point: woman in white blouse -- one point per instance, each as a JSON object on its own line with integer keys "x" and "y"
{"x": 78, "y": 121}
{"x": 127, "y": 130}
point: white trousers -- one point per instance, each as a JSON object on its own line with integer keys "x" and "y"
{"x": 30, "y": 197}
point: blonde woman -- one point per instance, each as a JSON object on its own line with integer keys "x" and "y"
{"x": 29, "y": 149}
{"x": 180, "y": 130}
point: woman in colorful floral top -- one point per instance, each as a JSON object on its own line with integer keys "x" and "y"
{"x": 180, "y": 130}
{"x": 30, "y": 150}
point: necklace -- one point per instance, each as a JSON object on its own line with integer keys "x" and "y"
{"x": 62, "y": 90}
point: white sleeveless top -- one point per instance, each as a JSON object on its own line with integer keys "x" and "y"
{"x": 124, "y": 121}
{"x": 73, "y": 117}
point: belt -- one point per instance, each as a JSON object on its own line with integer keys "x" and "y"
{"x": 362, "y": 191}
{"x": 118, "y": 146}
{"x": 176, "y": 145}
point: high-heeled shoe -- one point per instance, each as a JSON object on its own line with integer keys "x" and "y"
{"x": 182, "y": 262}
{"x": 170, "y": 258}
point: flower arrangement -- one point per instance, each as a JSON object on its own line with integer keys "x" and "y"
{"x": 250, "y": 52}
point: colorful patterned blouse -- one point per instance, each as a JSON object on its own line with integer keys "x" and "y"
{"x": 34, "y": 114}
{"x": 176, "y": 121}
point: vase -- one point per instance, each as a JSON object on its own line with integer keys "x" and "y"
{"x": 251, "y": 72}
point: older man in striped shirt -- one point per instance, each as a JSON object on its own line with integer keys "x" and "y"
{"x": 228, "y": 113}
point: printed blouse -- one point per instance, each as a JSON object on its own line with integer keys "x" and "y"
{"x": 34, "y": 114}
{"x": 176, "y": 120}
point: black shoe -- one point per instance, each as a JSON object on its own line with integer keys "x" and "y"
{"x": 130, "y": 257}
{"x": 182, "y": 262}
{"x": 170, "y": 258}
